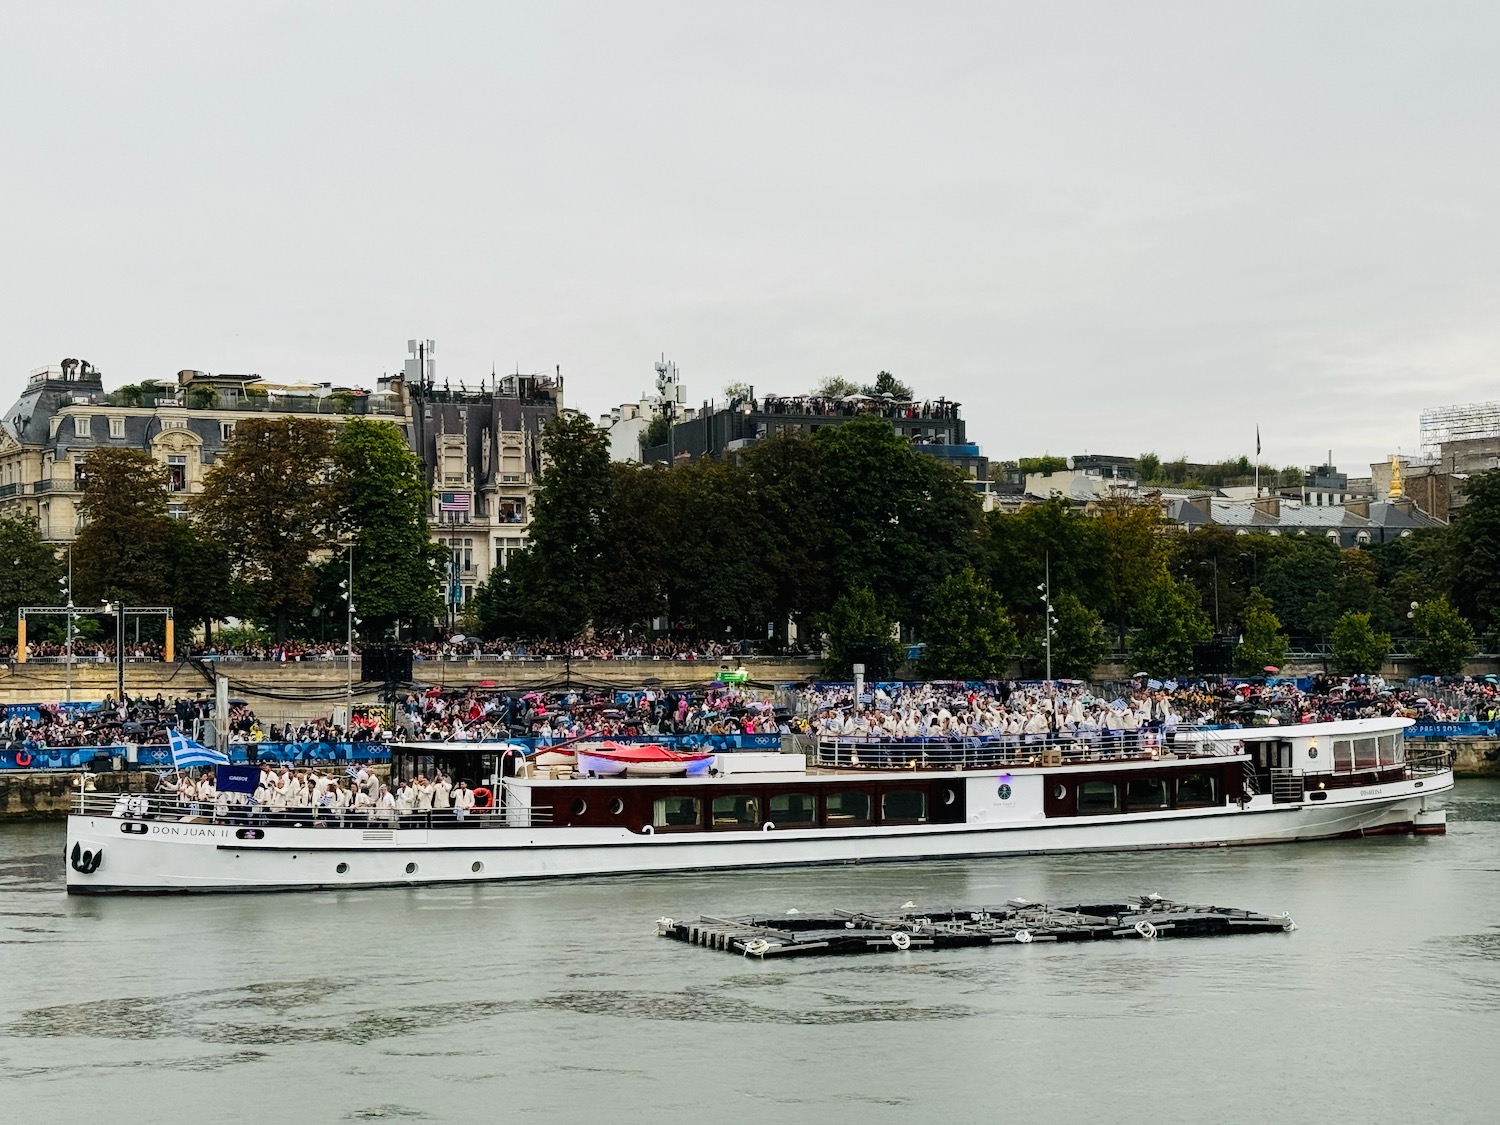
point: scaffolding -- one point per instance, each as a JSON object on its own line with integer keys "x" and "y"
{"x": 1467, "y": 422}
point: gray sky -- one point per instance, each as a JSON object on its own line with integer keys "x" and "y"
{"x": 1104, "y": 227}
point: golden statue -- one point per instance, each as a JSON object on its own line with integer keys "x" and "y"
{"x": 1396, "y": 490}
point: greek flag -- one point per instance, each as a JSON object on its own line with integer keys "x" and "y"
{"x": 186, "y": 752}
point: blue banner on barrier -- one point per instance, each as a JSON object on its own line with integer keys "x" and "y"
{"x": 1453, "y": 730}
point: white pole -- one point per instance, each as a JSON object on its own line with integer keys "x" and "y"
{"x": 68, "y": 651}
{"x": 349, "y": 646}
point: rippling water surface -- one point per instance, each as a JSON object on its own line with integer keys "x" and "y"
{"x": 556, "y": 1002}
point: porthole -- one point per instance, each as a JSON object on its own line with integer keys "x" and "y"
{"x": 1060, "y": 791}
{"x": 342, "y": 869}
{"x": 580, "y": 806}
{"x": 411, "y": 868}
{"x": 477, "y": 867}
{"x": 616, "y": 807}
{"x": 949, "y": 796}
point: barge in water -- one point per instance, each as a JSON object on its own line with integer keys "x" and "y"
{"x": 848, "y": 801}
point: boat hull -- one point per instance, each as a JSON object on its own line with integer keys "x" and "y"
{"x": 107, "y": 857}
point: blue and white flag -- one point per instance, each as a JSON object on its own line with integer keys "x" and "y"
{"x": 186, "y": 752}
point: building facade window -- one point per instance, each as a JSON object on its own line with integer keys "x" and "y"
{"x": 226, "y": 431}
{"x": 79, "y": 476}
{"x": 82, "y": 425}
{"x": 117, "y": 427}
{"x": 177, "y": 473}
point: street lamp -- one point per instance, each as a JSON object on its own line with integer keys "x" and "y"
{"x": 347, "y": 588}
{"x": 67, "y": 584}
{"x": 118, "y": 609}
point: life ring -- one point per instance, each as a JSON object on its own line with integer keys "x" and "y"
{"x": 487, "y": 796}
{"x": 23, "y": 759}
{"x": 1145, "y": 929}
{"x": 768, "y": 826}
{"x": 901, "y": 940}
{"x": 1023, "y": 937}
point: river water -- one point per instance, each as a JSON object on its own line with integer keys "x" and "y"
{"x": 556, "y": 1002}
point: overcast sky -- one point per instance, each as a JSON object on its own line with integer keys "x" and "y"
{"x": 1110, "y": 228}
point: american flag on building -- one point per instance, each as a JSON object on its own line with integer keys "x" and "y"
{"x": 454, "y": 501}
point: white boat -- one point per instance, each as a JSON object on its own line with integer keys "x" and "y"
{"x": 847, "y": 802}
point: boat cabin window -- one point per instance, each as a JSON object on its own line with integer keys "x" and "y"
{"x": 1146, "y": 793}
{"x": 907, "y": 806}
{"x": 840, "y": 810}
{"x": 1392, "y": 750}
{"x": 1343, "y": 756}
{"x": 793, "y": 808}
{"x": 1194, "y": 789}
{"x": 676, "y": 812}
{"x": 736, "y": 812}
{"x": 1098, "y": 797}
{"x": 1364, "y": 754}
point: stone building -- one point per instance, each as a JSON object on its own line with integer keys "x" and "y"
{"x": 64, "y": 412}
{"x": 480, "y": 447}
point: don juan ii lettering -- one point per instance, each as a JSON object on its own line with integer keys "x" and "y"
{"x": 186, "y": 830}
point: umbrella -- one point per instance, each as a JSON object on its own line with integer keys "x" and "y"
{"x": 1271, "y": 668}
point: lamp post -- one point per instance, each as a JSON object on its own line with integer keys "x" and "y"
{"x": 118, "y": 609}
{"x": 68, "y": 646}
{"x": 347, "y": 586}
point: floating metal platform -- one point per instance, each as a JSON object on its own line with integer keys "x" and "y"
{"x": 1018, "y": 922}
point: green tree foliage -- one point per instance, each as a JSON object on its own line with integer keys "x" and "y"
{"x": 968, "y": 635}
{"x": 636, "y": 524}
{"x": 121, "y": 550}
{"x": 1148, "y": 468}
{"x": 563, "y": 577}
{"x": 1017, "y": 549}
{"x": 785, "y": 484}
{"x": 1356, "y": 648}
{"x": 29, "y": 570}
{"x": 1133, "y": 556}
{"x": 836, "y": 386}
{"x": 716, "y": 582}
{"x": 1262, "y": 644}
{"x": 1475, "y": 551}
{"x": 1079, "y": 642}
{"x": 1170, "y": 621}
{"x": 1046, "y": 463}
{"x": 380, "y": 504}
{"x": 896, "y": 522}
{"x": 267, "y": 500}
{"x": 1302, "y": 583}
{"x": 657, "y": 432}
{"x": 887, "y": 384}
{"x": 1444, "y": 639}
{"x": 859, "y": 632}
{"x": 738, "y": 390}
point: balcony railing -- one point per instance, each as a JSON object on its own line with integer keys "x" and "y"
{"x": 233, "y": 810}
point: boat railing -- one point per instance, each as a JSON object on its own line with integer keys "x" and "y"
{"x": 1427, "y": 763}
{"x": 842, "y": 751}
{"x": 147, "y": 808}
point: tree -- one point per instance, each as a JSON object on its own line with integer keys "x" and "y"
{"x": 738, "y": 390}
{"x": 268, "y": 502}
{"x": 1053, "y": 538}
{"x": 1474, "y": 548}
{"x": 657, "y": 432}
{"x": 887, "y": 384}
{"x": 121, "y": 553}
{"x": 637, "y": 523}
{"x": 1356, "y": 648}
{"x": 1148, "y": 467}
{"x": 836, "y": 386}
{"x": 567, "y": 540}
{"x": 1444, "y": 639}
{"x": 29, "y": 570}
{"x": 1263, "y": 644}
{"x": 895, "y": 521}
{"x": 380, "y": 502}
{"x": 1046, "y": 463}
{"x": 785, "y": 485}
{"x": 1169, "y": 622}
{"x": 967, "y": 634}
{"x": 1133, "y": 556}
{"x": 1303, "y": 570}
{"x": 1079, "y": 643}
{"x": 859, "y": 633}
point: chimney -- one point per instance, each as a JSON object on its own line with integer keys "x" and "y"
{"x": 1268, "y": 506}
{"x": 1359, "y": 508}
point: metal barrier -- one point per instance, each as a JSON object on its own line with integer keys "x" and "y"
{"x": 148, "y": 807}
{"x": 1014, "y": 750}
